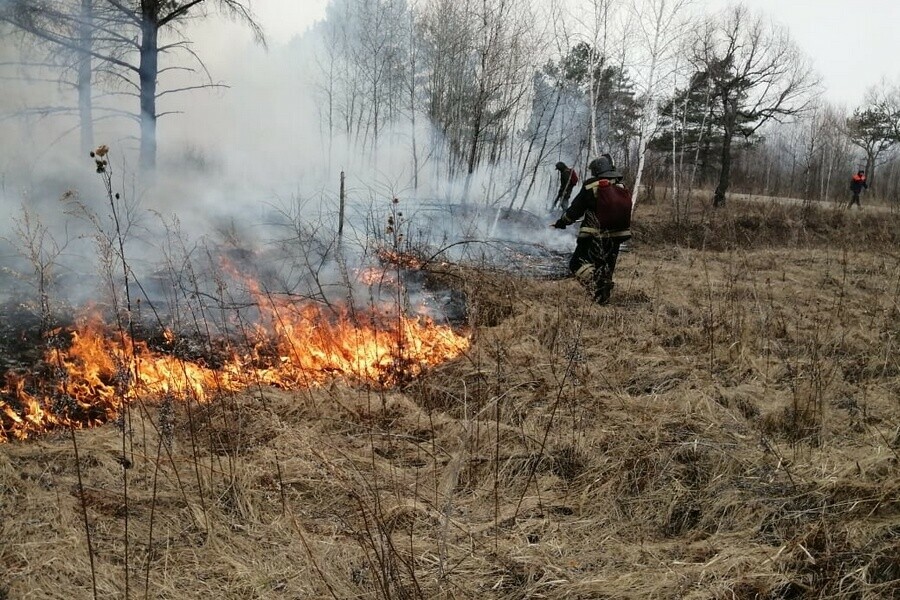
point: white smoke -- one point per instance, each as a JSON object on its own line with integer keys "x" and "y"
{"x": 240, "y": 165}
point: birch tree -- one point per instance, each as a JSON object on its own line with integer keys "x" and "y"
{"x": 660, "y": 27}
{"x": 835, "y": 147}
{"x": 591, "y": 33}
{"x": 478, "y": 57}
{"x": 598, "y": 51}
{"x": 446, "y": 36}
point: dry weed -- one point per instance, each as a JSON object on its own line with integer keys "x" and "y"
{"x": 725, "y": 428}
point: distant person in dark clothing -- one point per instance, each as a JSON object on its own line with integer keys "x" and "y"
{"x": 605, "y": 204}
{"x": 567, "y": 180}
{"x": 857, "y": 185}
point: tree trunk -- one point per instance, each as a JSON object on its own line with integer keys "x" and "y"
{"x": 342, "y": 198}
{"x": 147, "y": 73}
{"x": 592, "y": 99}
{"x": 415, "y": 151}
{"x": 412, "y": 98}
{"x": 540, "y": 156}
{"x": 330, "y": 108}
{"x": 676, "y": 203}
{"x": 472, "y": 159}
{"x": 473, "y": 147}
{"x": 725, "y": 171}
{"x": 645, "y": 125}
{"x": 890, "y": 184}
{"x": 702, "y": 142}
{"x": 870, "y": 169}
{"x": 642, "y": 154}
{"x": 85, "y": 101}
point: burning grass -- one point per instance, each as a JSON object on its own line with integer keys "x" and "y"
{"x": 727, "y": 427}
{"x": 88, "y": 380}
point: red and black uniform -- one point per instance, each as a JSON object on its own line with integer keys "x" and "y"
{"x": 605, "y": 206}
{"x": 568, "y": 178}
{"x": 857, "y": 185}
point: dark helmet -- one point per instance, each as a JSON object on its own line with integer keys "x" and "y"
{"x": 561, "y": 166}
{"x": 603, "y": 167}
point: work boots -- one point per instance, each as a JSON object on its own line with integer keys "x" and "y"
{"x": 603, "y": 291}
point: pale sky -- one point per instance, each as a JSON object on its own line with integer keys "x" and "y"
{"x": 853, "y": 43}
{"x": 283, "y": 19}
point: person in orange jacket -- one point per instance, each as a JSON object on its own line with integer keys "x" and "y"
{"x": 857, "y": 185}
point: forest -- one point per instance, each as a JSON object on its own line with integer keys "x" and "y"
{"x": 498, "y": 90}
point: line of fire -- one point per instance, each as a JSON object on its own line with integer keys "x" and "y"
{"x": 93, "y": 368}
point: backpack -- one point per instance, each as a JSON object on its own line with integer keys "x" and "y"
{"x": 613, "y": 206}
{"x": 573, "y": 178}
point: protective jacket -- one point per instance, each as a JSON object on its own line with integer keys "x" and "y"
{"x": 858, "y": 183}
{"x": 567, "y": 180}
{"x": 606, "y": 208}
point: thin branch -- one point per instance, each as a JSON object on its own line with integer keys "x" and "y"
{"x": 178, "y": 12}
{"x": 192, "y": 87}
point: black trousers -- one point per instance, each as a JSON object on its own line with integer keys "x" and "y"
{"x": 593, "y": 264}
{"x": 854, "y": 200}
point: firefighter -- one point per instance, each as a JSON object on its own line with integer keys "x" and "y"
{"x": 857, "y": 185}
{"x": 604, "y": 203}
{"x": 567, "y": 180}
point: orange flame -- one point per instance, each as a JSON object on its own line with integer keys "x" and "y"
{"x": 374, "y": 276}
{"x": 293, "y": 346}
{"x": 404, "y": 260}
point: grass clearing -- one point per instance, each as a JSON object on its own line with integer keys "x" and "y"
{"x": 728, "y": 427}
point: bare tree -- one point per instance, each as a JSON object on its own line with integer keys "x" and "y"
{"x": 757, "y": 74}
{"x": 379, "y": 52}
{"x": 598, "y": 52}
{"x": 659, "y": 28}
{"x": 592, "y": 34}
{"x": 367, "y": 47}
{"x": 834, "y": 147}
{"x": 478, "y": 59}
{"x": 412, "y": 91}
{"x": 125, "y": 35}
{"x": 875, "y": 127}
{"x": 74, "y": 20}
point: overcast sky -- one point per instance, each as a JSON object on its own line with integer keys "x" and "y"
{"x": 853, "y": 43}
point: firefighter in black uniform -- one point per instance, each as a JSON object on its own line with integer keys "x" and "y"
{"x": 568, "y": 177}
{"x": 605, "y": 205}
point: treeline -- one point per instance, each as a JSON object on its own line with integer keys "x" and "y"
{"x": 523, "y": 85}
{"x": 810, "y": 157}
{"x": 498, "y": 91}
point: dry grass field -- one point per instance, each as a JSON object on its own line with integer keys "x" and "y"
{"x": 727, "y": 428}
